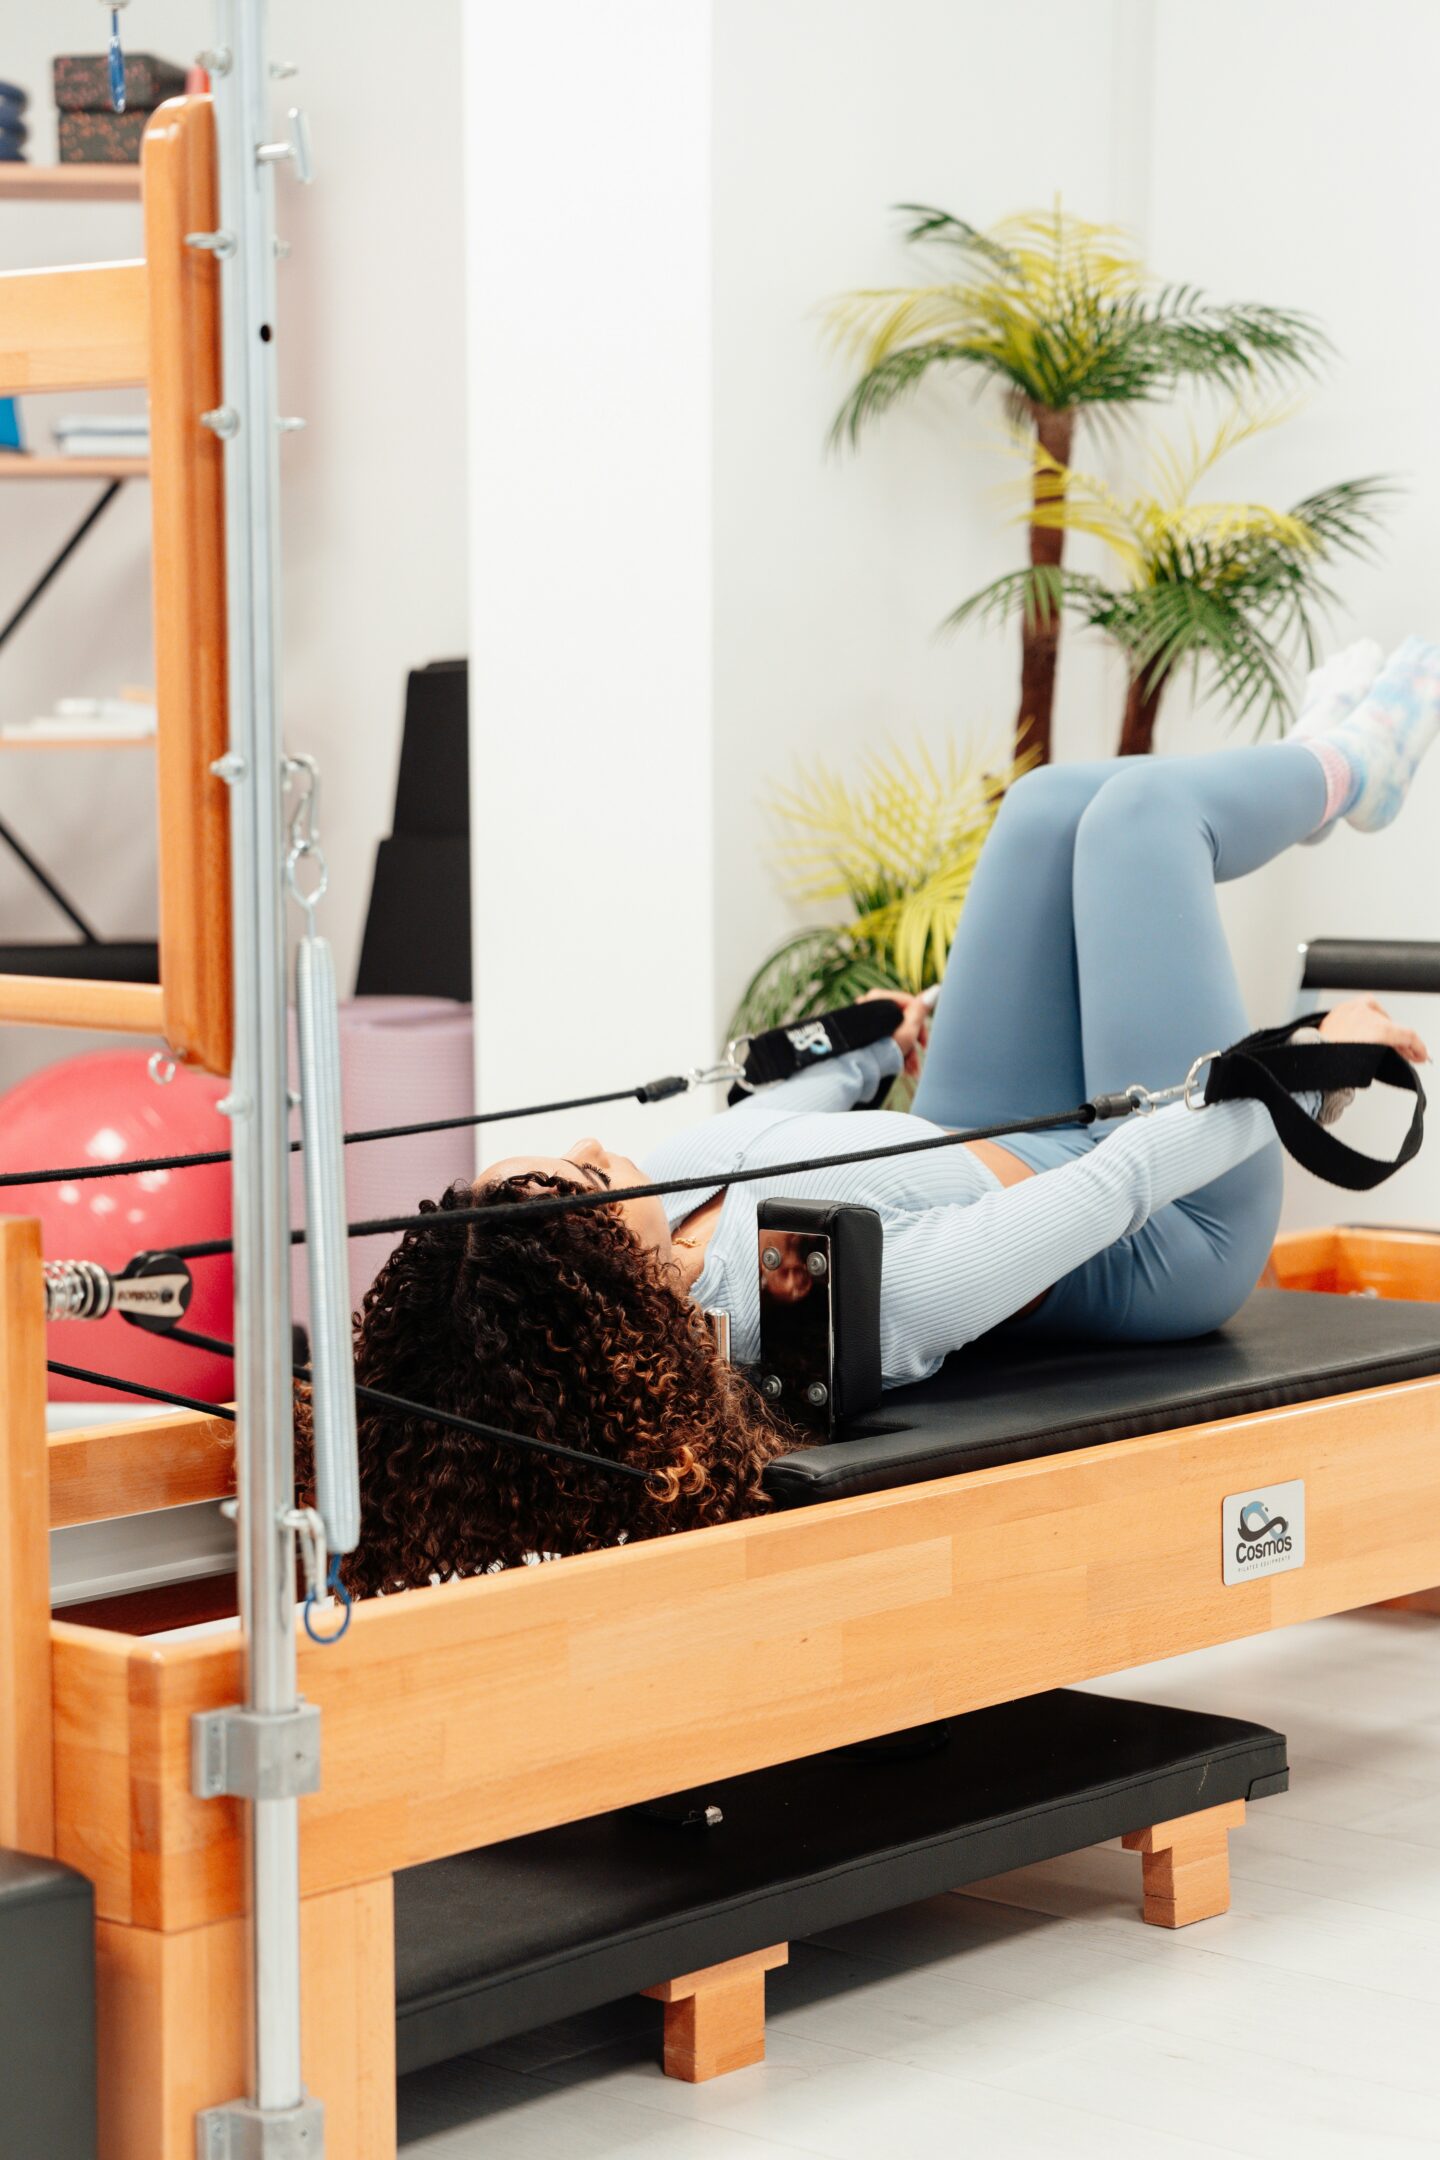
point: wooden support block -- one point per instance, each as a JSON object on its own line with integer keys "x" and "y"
{"x": 172, "y": 2024}
{"x": 1185, "y": 1864}
{"x": 715, "y": 2018}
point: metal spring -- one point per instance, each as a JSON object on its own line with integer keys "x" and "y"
{"x": 76, "y": 1290}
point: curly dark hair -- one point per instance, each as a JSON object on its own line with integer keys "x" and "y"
{"x": 564, "y": 1328}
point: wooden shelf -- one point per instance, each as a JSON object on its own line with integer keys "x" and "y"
{"x": 78, "y": 742}
{"x": 17, "y": 465}
{"x": 69, "y": 183}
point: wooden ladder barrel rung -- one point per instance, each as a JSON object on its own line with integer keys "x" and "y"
{"x": 74, "y": 329}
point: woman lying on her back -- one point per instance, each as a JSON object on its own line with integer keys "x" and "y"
{"x": 1089, "y": 956}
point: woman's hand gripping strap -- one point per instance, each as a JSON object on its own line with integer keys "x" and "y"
{"x": 1269, "y": 1068}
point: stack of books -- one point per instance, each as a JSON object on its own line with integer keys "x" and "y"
{"x": 103, "y": 435}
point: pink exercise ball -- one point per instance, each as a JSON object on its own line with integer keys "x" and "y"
{"x": 105, "y": 1108}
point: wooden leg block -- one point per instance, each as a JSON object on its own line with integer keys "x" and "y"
{"x": 347, "y": 1951}
{"x": 171, "y": 2033}
{"x": 715, "y": 2018}
{"x": 1177, "y": 1894}
{"x": 172, "y": 2026}
{"x": 1186, "y": 1865}
{"x": 721, "y": 2029}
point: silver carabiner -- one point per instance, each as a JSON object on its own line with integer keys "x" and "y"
{"x": 707, "y": 1075}
{"x": 1194, "y": 1100}
{"x": 305, "y": 836}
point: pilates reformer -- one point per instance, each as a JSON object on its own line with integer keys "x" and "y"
{"x": 701, "y": 1906}
{"x": 925, "y": 1567}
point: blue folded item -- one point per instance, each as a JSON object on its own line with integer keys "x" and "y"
{"x": 13, "y": 157}
{"x": 13, "y": 134}
{"x": 10, "y": 425}
{"x": 12, "y": 94}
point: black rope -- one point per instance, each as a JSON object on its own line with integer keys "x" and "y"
{"x": 504, "y": 1212}
{"x": 139, "y": 1387}
{"x": 398, "y": 1403}
{"x": 81, "y": 1171}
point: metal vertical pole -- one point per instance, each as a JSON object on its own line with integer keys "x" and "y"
{"x": 268, "y": 1751}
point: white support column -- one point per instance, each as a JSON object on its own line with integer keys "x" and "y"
{"x": 589, "y": 271}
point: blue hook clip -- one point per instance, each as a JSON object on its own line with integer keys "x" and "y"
{"x": 338, "y": 1591}
{"x": 117, "y": 64}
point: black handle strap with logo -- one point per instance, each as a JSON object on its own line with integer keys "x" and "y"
{"x": 780, "y": 1052}
{"x": 1269, "y": 1068}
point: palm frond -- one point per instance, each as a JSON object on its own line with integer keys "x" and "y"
{"x": 1231, "y": 588}
{"x": 1039, "y": 593}
{"x": 811, "y": 973}
{"x": 1062, "y": 313}
{"x": 898, "y": 844}
{"x": 883, "y": 385}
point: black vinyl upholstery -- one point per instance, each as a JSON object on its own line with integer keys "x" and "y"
{"x": 1017, "y": 1395}
{"x": 47, "y": 2011}
{"x": 540, "y": 1927}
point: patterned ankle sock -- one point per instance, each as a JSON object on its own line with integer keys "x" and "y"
{"x": 1369, "y": 757}
{"x": 1332, "y": 692}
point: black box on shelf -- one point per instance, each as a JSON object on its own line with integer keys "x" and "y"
{"x": 82, "y": 82}
{"x": 101, "y": 138}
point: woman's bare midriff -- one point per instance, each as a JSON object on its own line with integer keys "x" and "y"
{"x": 1007, "y": 1167}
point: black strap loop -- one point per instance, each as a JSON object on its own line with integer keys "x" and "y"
{"x": 1269, "y": 1068}
{"x": 780, "y": 1052}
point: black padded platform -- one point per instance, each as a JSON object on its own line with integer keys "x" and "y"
{"x": 47, "y": 2011}
{"x": 1014, "y": 1396}
{"x": 540, "y": 1927}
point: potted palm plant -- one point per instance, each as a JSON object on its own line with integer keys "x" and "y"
{"x": 1063, "y": 316}
{"x": 897, "y": 848}
{"x": 1229, "y": 587}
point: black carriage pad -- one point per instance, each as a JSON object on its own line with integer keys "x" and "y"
{"x": 540, "y": 1927}
{"x": 1017, "y": 1395}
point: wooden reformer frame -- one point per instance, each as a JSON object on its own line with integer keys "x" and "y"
{"x": 474, "y": 1711}
{"x": 466, "y": 1713}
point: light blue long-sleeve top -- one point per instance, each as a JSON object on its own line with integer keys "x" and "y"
{"x": 961, "y": 1251}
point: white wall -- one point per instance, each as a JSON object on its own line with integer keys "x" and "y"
{"x": 1267, "y": 153}
{"x": 833, "y": 569}
{"x": 372, "y": 330}
{"x": 1306, "y": 174}
{"x": 590, "y": 551}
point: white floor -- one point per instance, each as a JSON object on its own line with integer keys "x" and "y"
{"x": 1036, "y": 2015}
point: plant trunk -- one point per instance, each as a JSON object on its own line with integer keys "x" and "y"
{"x": 1142, "y": 709}
{"x": 1040, "y": 640}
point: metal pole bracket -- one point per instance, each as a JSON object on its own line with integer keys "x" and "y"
{"x": 255, "y": 1754}
{"x": 241, "y": 2132}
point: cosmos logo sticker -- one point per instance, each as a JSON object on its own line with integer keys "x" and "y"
{"x": 1262, "y": 1532}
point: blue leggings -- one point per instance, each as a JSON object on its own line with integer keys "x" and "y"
{"x": 1089, "y": 955}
